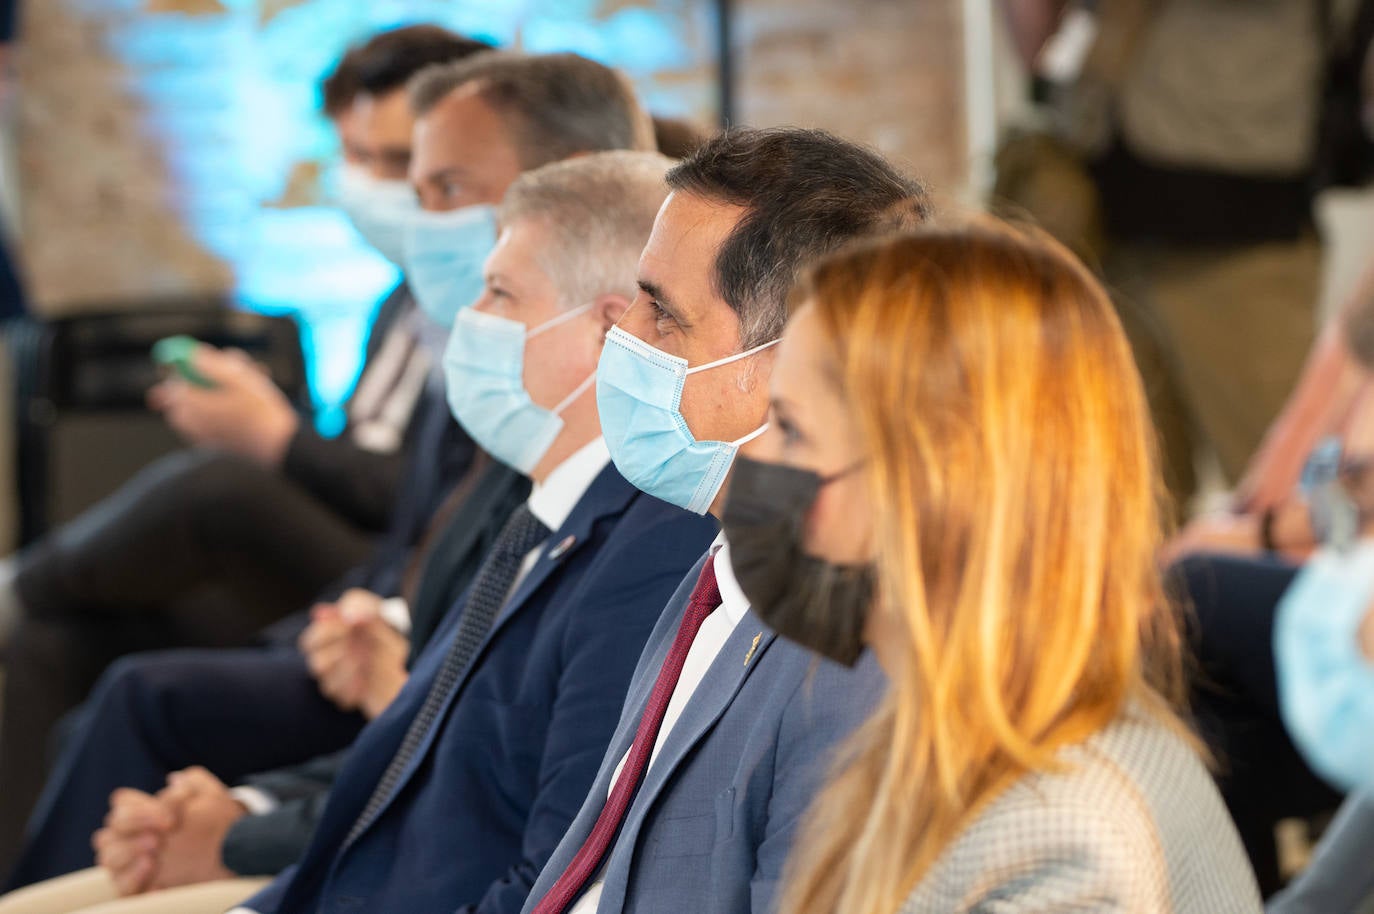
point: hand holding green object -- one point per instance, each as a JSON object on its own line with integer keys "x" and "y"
{"x": 177, "y": 353}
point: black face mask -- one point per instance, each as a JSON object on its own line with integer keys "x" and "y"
{"x": 818, "y": 605}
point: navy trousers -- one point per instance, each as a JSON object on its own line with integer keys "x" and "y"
{"x": 235, "y": 712}
{"x": 1232, "y": 603}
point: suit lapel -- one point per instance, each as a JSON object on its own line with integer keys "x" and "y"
{"x": 742, "y": 653}
{"x": 724, "y": 679}
{"x": 641, "y": 684}
{"x": 609, "y": 494}
{"x": 637, "y": 698}
{"x": 470, "y": 520}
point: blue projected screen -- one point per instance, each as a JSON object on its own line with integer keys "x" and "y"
{"x": 254, "y": 160}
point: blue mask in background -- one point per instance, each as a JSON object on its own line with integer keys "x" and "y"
{"x": 484, "y": 368}
{"x": 1326, "y": 684}
{"x": 639, "y": 396}
{"x": 380, "y": 210}
{"x": 444, "y": 255}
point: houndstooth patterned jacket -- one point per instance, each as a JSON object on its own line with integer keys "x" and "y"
{"x": 1134, "y": 826}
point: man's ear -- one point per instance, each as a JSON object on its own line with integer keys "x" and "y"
{"x": 609, "y": 310}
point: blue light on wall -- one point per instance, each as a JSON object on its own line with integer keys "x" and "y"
{"x": 231, "y": 92}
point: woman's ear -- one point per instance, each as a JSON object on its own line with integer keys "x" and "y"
{"x": 609, "y": 309}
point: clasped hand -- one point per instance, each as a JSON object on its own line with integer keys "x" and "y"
{"x": 357, "y": 658}
{"x": 168, "y": 839}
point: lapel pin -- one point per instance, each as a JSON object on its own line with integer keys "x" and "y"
{"x": 557, "y": 552}
{"x": 753, "y": 647}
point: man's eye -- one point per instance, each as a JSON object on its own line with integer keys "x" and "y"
{"x": 663, "y": 321}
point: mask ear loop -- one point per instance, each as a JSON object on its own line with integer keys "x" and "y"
{"x": 578, "y": 391}
{"x": 559, "y": 320}
{"x": 751, "y": 436}
{"x": 734, "y": 358}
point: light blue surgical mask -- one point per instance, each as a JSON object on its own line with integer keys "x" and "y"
{"x": 379, "y": 210}
{"x": 444, "y": 254}
{"x": 1326, "y": 684}
{"x": 639, "y": 396}
{"x": 484, "y": 368}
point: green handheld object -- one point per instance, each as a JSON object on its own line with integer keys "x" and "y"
{"x": 175, "y": 352}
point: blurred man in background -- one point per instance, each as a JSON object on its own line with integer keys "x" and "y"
{"x": 1184, "y": 168}
{"x": 207, "y": 546}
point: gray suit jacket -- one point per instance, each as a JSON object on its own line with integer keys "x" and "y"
{"x": 710, "y": 828}
{"x": 1134, "y": 826}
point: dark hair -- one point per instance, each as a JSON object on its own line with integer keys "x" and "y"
{"x": 677, "y": 137}
{"x": 387, "y": 61}
{"x": 807, "y": 193}
{"x": 340, "y": 87}
{"x": 555, "y": 105}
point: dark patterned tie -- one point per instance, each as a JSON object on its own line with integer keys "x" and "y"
{"x": 704, "y": 600}
{"x": 490, "y": 588}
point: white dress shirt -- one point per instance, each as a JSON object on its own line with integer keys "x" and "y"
{"x": 552, "y": 501}
{"x": 715, "y": 631}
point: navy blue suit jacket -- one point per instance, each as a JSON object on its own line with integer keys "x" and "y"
{"x": 488, "y": 797}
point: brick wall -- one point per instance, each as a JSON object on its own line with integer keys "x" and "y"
{"x": 886, "y": 72}
{"x": 102, "y": 217}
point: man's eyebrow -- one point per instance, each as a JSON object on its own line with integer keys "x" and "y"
{"x": 445, "y": 173}
{"x": 655, "y": 291}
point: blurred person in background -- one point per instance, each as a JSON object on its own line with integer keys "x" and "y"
{"x": 207, "y": 546}
{"x": 1330, "y": 413}
{"x": 1324, "y": 652}
{"x": 960, "y": 446}
{"x": 1233, "y": 569}
{"x": 248, "y": 711}
{"x": 1184, "y": 167}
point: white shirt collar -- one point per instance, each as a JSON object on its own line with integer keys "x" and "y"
{"x": 554, "y": 499}
{"x": 732, "y": 598}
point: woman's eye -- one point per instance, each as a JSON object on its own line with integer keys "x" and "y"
{"x": 790, "y": 433}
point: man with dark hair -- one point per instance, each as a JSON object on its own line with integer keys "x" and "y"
{"x": 727, "y": 730}
{"x": 549, "y": 118}
{"x": 207, "y": 546}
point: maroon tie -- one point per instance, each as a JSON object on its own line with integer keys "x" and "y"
{"x": 705, "y": 598}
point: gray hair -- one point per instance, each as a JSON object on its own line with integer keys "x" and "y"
{"x": 555, "y": 105}
{"x": 598, "y": 210}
